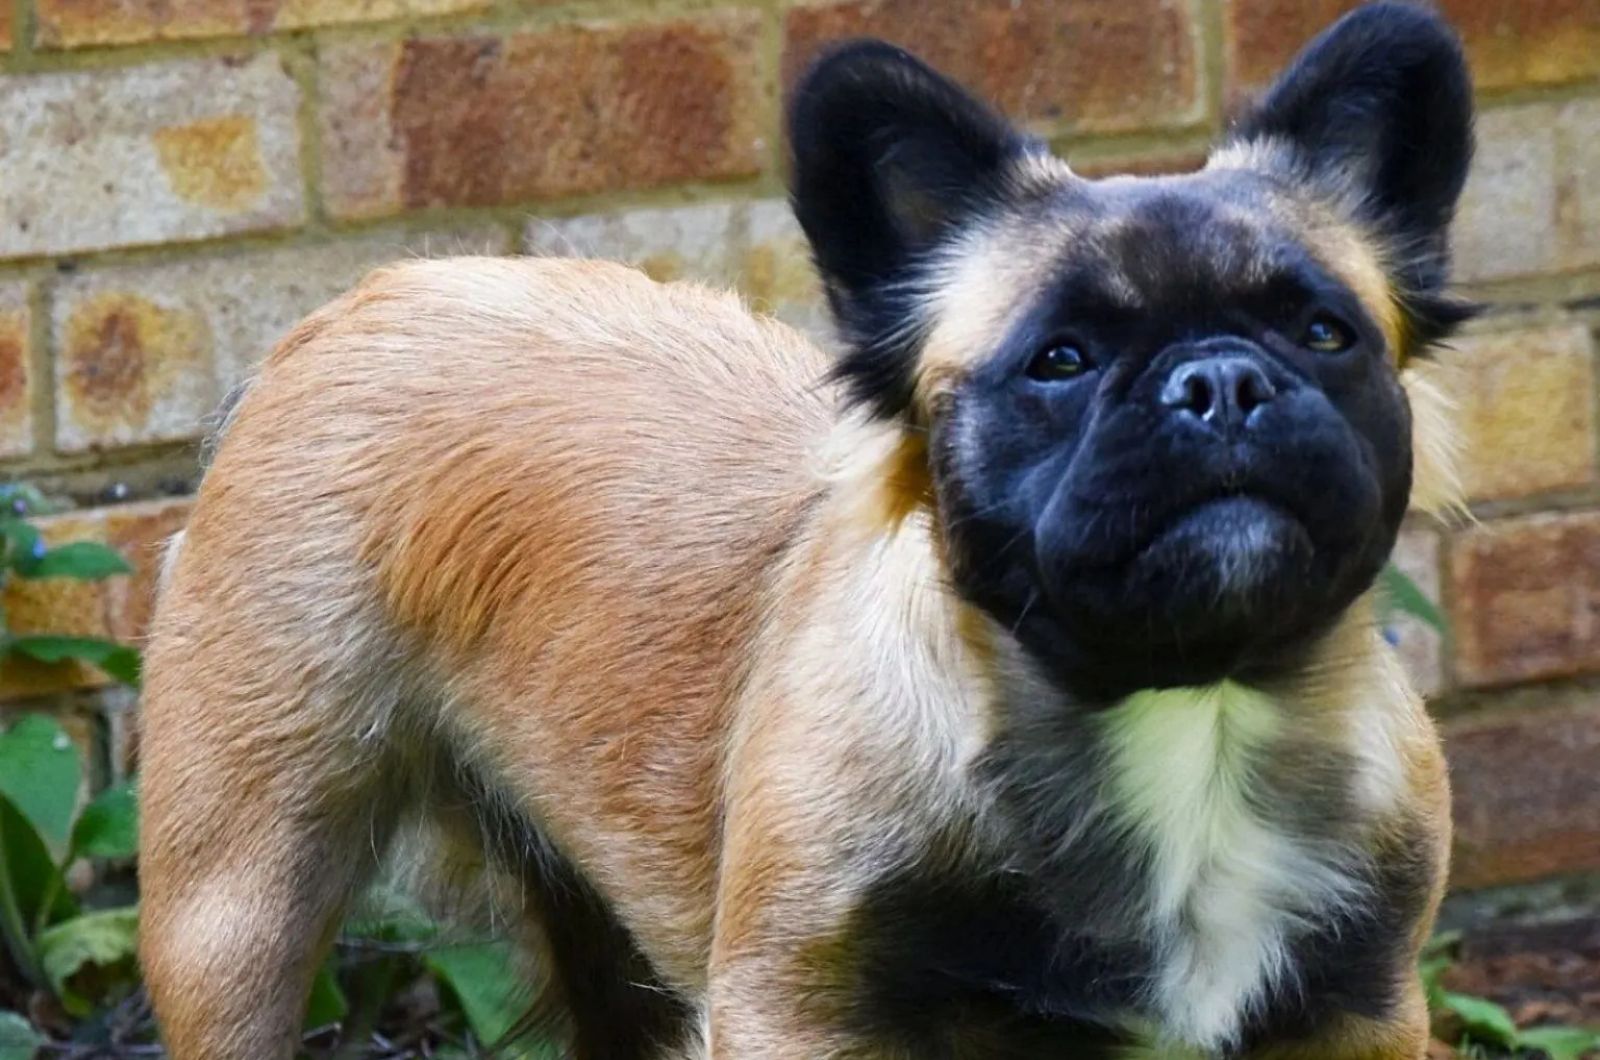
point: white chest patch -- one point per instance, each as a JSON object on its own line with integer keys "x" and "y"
{"x": 1228, "y": 889}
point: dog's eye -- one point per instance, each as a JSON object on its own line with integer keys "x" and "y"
{"x": 1063, "y": 360}
{"x": 1326, "y": 333}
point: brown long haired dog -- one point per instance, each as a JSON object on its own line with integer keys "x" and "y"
{"x": 1021, "y": 699}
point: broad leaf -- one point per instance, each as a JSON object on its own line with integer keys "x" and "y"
{"x": 327, "y": 1005}
{"x": 485, "y": 980}
{"x": 83, "y": 956}
{"x": 1484, "y": 1020}
{"x": 1403, "y": 594}
{"x": 32, "y": 891}
{"x": 1560, "y": 1043}
{"x": 40, "y": 773}
{"x": 109, "y": 826}
{"x": 84, "y": 560}
{"x": 118, "y": 660}
{"x": 18, "y": 1039}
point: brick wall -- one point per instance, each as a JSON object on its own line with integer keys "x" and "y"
{"x": 181, "y": 179}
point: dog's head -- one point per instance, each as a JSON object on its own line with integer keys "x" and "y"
{"x": 1166, "y": 430}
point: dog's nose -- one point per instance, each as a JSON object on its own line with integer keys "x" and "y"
{"x": 1219, "y": 390}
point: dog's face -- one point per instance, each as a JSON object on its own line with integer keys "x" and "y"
{"x": 1166, "y": 430}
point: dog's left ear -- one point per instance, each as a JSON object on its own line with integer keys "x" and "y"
{"x": 1378, "y": 111}
{"x": 890, "y": 159}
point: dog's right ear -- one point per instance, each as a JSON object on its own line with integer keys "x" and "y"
{"x": 890, "y": 158}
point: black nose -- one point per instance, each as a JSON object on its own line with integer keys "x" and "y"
{"x": 1219, "y": 390}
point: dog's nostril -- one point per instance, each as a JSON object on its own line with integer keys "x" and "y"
{"x": 1251, "y": 388}
{"x": 1223, "y": 390}
{"x": 1189, "y": 389}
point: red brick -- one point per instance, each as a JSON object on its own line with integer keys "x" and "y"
{"x": 1510, "y": 43}
{"x": 82, "y": 23}
{"x": 7, "y": 9}
{"x": 1091, "y": 65}
{"x": 16, "y": 383}
{"x": 1526, "y": 790}
{"x": 574, "y": 110}
{"x": 1526, "y": 598}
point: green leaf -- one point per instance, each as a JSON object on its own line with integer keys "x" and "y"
{"x": 327, "y": 1005}
{"x": 80, "y": 955}
{"x": 109, "y": 826}
{"x": 84, "y": 560}
{"x": 40, "y": 773}
{"x": 1404, "y": 596}
{"x": 1560, "y": 1043}
{"x": 1484, "y": 1019}
{"x": 118, "y": 660}
{"x": 485, "y": 981}
{"x": 19, "y": 499}
{"x": 23, "y": 545}
{"x": 18, "y": 1039}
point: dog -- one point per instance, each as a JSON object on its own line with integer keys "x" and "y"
{"x": 1006, "y": 686}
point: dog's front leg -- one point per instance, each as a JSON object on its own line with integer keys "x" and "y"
{"x": 783, "y": 973}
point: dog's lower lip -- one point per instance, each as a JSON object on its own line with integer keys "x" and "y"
{"x": 1200, "y": 507}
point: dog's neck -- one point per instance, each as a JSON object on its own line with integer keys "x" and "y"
{"x": 1211, "y": 827}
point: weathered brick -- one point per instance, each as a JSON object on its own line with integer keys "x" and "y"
{"x": 775, "y": 269}
{"x": 756, "y": 248}
{"x": 1525, "y": 596}
{"x": 16, "y": 383}
{"x": 154, "y": 154}
{"x": 7, "y": 14}
{"x": 572, "y": 110}
{"x": 1526, "y": 790}
{"x": 678, "y": 243}
{"x": 1526, "y": 409}
{"x": 81, "y": 23}
{"x": 1091, "y": 65}
{"x": 1509, "y": 43}
{"x": 118, "y": 608}
{"x": 1421, "y": 647}
{"x": 1532, "y": 203}
{"x": 1157, "y": 165}
{"x": 145, "y": 354}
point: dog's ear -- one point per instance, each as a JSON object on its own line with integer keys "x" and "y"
{"x": 1378, "y": 110}
{"x": 889, "y": 160}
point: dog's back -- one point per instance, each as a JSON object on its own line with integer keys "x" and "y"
{"x": 505, "y": 524}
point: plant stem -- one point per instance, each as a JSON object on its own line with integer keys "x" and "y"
{"x": 13, "y": 928}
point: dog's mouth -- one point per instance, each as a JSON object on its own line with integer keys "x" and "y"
{"x": 1229, "y": 517}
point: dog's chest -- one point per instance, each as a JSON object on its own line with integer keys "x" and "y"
{"x": 1183, "y": 911}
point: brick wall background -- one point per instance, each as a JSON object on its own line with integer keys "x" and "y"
{"x": 181, "y": 179}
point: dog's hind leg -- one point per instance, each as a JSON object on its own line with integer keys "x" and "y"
{"x": 265, "y": 806}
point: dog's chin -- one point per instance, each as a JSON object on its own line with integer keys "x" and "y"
{"x": 1229, "y": 560}
{"x": 1219, "y": 586}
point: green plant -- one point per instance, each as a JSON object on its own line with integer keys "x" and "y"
{"x": 77, "y": 956}
{"x": 1486, "y": 1027}
{"x": 24, "y": 554}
